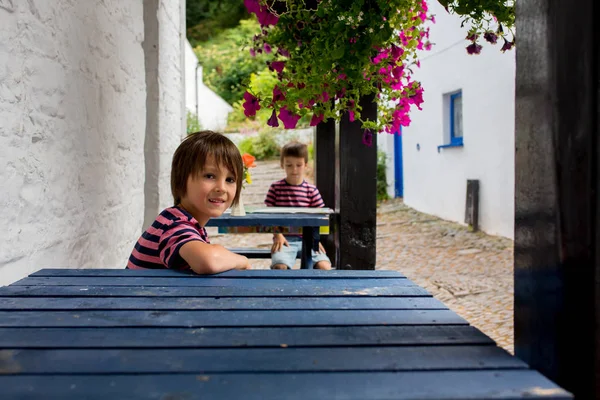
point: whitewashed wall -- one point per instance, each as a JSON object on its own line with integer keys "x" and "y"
{"x": 211, "y": 109}
{"x": 171, "y": 71}
{"x": 435, "y": 182}
{"x": 72, "y": 118}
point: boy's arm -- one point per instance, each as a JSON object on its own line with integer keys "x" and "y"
{"x": 206, "y": 258}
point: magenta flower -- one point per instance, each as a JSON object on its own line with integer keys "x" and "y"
{"x": 351, "y": 115}
{"x": 273, "y": 120}
{"x": 289, "y": 120}
{"x": 277, "y": 66}
{"x": 263, "y": 15}
{"x": 325, "y": 97}
{"x": 267, "y": 48}
{"x": 507, "y": 45}
{"x": 341, "y": 77}
{"x": 472, "y": 37}
{"x": 490, "y": 37}
{"x": 253, "y": 52}
{"x": 367, "y": 138}
{"x": 316, "y": 119}
{"x": 278, "y": 94}
{"x": 474, "y": 48}
{"x": 251, "y": 105}
{"x": 284, "y": 52}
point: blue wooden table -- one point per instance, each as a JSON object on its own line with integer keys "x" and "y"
{"x": 308, "y": 222}
{"x": 301, "y": 334}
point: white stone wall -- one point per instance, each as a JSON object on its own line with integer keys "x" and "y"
{"x": 211, "y": 109}
{"x": 435, "y": 182}
{"x": 72, "y": 120}
{"x": 172, "y": 97}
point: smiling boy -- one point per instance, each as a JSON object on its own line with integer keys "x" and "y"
{"x": 206, "y": 178}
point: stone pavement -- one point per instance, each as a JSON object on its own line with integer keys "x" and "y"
{"x": 472, "y": 273}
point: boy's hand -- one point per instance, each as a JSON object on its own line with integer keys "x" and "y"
{"x": 321, "y": 249}
{"x": 278, "y": 241}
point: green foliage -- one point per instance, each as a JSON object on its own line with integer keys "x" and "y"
{"x": 263, "y": 147}
{"x": 311, "y": 151}
{"x": 206, "y": 19}
{"x": 227, "y": 64}
{"x": 381, "y": 177}
{"x": 193, "y": 124}
{"x": 263, "y": 83}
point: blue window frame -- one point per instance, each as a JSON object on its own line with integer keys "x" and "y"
{"x": 456, "y": 120}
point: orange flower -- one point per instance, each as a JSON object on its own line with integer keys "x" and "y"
{"x": 248, "y": 160}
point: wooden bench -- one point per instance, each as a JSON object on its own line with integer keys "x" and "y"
{"x": 252, "y": 252}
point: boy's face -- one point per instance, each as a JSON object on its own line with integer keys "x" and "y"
{"x": 294, "y": 168}
{"x": 210, "y": 193}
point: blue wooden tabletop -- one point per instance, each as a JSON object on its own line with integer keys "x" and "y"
{"x": 301, "y": 334}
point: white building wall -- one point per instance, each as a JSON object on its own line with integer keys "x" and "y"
{"x": 171, "y": 23}
{"x": 435, "y": 182}
{"x": 211, "y": 109}
{"x": 72, "y": 120}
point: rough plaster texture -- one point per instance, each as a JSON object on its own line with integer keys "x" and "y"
{"x": 211, "y": 109}
{"x": 435, "y": 182}
{"x": 164, "y": 27}
{"x": 72, "y": 118}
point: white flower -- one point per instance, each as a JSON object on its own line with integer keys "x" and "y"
{"x": 370, "y": 30}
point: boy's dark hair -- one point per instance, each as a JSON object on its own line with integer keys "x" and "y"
{"x": 190, "y": 158}
{"x": 294, "y": 149}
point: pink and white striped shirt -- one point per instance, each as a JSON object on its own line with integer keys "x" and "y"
{"x": 282, "y": 194}
{"x": 159, "y": 245}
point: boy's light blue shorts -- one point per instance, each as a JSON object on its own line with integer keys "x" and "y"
{"x": 287, "y": 255}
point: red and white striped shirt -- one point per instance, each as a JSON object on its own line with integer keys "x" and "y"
{"x": 282, "y": 194}
{"x": 159, "y": 245}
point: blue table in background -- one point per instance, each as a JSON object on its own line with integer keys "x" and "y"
{"x": 252, "y": 335}
{"x": 283, "y": 222}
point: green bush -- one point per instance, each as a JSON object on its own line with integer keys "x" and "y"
{"x": 263, "y": 147}
{"x": 381, "y": 177}
{"x": 193, "y": 124}
{"x": 227, "y": 63}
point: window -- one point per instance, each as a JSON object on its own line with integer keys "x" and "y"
{"x": 456, "y": 119}
{"x": 453, "y": 120}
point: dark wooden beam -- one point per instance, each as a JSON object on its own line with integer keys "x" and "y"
{"x": 327, "y": 180}
{"x": 557, "y": 203}
{"x": 358, "y": 192}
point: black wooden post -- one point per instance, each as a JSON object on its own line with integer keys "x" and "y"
{"x": 327, "y": 180}
{"x": 358, "y": 192}
{"x": 557, "y": 198}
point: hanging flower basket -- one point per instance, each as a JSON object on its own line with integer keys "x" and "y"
{"x": 327, "y": 54}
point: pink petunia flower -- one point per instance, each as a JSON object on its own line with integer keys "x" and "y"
{"x": 251, "y": 105}
{"x": 289, "y": 120}
{"x": 316, "y": 119}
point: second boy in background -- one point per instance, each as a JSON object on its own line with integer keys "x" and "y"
{"x": 294, "y": 191}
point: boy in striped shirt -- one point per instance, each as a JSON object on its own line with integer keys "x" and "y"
{"x": 294, "y": 191}
{"x": 206, "y": 178}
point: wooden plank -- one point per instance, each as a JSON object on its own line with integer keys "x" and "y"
{"x": 261, "y": 219}
{"x": 358, "y": 191}
{"x": 214, "y": 291}
{"x": 251, "y": 274}
{"x": 206, "y": 361}
{"x": 425, "y": 385}
{"x": 339, "y": 284}
{"x": 19, "y": 338}
{"x": 229, "y": 303}
{"x": 189, "y": 319}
